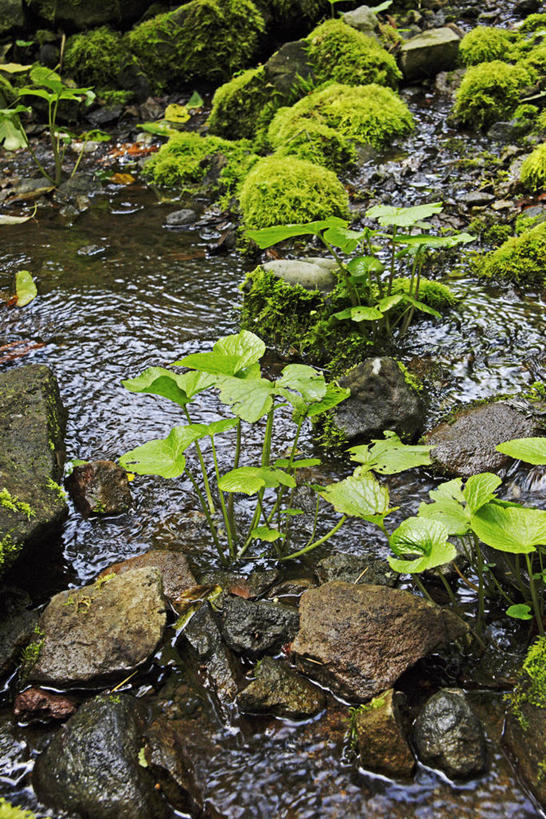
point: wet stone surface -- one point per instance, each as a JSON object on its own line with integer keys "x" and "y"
{"x": 279, "y": 690}
{"x": 99, "y": 488}
{"x": 257, "y": 628}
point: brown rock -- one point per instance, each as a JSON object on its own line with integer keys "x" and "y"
{"x": 279, "y": 690}
{"x": 173, "y": 566}
{"x": 381, "y": 736}
{"x": 99, "y": 488}
{"x": 37, "y": 704}
{"x": 525, "y": 739}
{"x": 359, "y": 639}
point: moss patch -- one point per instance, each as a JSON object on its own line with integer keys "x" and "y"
{"x": 531, "y": 687}
{"x": 533, "y": 170}
{"x": 320, "y": 144}
{"x": 96, "y": 57}
{"x": 243, "y": 105}
{"x": 282, "y": 191}
{"x": 521, "y": 259}
{"x": 490, "y": 92}
{"x": 9, "y": 811}
{"x": 341, "y": 53}
{"x": 484, "y": 44}
{"x": 367, "y": 114}
{"x": 434, "y": 294}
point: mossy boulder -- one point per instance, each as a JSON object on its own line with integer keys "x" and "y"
{"x": 203, "y": 40}
{"x": 341, "y": 53}
{"x": 368, "y": 114}
{"x": 282, "y": 191}
{"x": 521, "y": 259}
{"x": 32, "y": 424}
{"x": 11, "y": 17}
{"x": 318, "y": 143}
{"x": 97, "y": 57}
{"x": 490, "y": 92}
{"x": 484, "y": 44}
{"x": 533, "y": 171}
{"x": 84, "y": 14}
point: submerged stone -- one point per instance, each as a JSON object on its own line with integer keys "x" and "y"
{"x": 203, "y": 634}
{"x": 99, "y": 488}
{"x": 356, "y": 569}
{"x": 381, "y": 736}
{"x": 280, "y": 691}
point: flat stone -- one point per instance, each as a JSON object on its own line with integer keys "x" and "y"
{"x": 310, "y": 275}
{"x": 477, "y": 199}
{"x": 356, "y": 569}
{"x": 381, "y": 736}
{"x": 466, "y": 445}
{"x": 186, "y": 216}
{"x": 359, "y": 639}
{"x": 99, "y": 488}
{"x": 429, "y": 53}
{"x": 32, "y": 426}
{"x": 256, "y": 628}
{"x": 281, "y": 691}
{"x": 174, "y": 568}
{"x": 100, "y": 632}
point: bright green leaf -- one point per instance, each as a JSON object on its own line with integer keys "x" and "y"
{"x": 334, "y": 396}
{"x": 176, "y": 113}
{"x": 303, "y": 463}
{"x": 480, "y": 489}
{"x": 230, "y": 355}
{"x": 510, "y": 528}
{"x": 163, "y": 456}
{"x": 303, "y": 379}
{"x": 266, "y": 237}
{"x": 419, "y": 536}
{"x": 25, "y": 288}
{"x": 520, "y": 611}
{"x": 180, "y": 388}
{"x": 347, "y": 240}
{"x": 391, "y": 456}
{"x": 530, "y": 450}
{"x": 359, "y": 314}
{"x": 266, "y": 533}
{"x": 359, "y": 496}
{"x": 195, "y": 101}
{"x": 251, "y": 479}
{"x": 403, "y": 217}
{"x": 248, "y": 399}
{"x": 420, "y": 305}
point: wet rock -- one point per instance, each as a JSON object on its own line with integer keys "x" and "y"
{"x": 286, "y": 66}
{"x": 381, "y": 736}
{"x": 91, "y": 767}
{"x": 99, "y": 488}
{"x": 91, "y": 250}
{"x": 363, "y": 19}
{"x": 12, "y": 15}
{"x": 312, "y": 274}
{"x": 77, "y": 15}
{"x": 509, "y": 131}
{"x": 447, "y": 82}
{"x": 448, "y": 735}
{"x": 280, "y": 691}
{"x": 292, "y": 587}
{"x": 537, "y": 212}
{"x": 104, "y": 115}
{"x": 17, "y": 625}
{"x": 477, "y": 199}
{"x": 186, "y": 216}
{"x": 358, "y": 639}
{"x": 527, "y": 6}
{"x": 356, "y": 569}
{"x": 102, "y": 631}
{"x": 525, "y": 739}
{"x": 380, "y": 399}
{"x": 466, "y": 444}
{"x": 80, "y": 185}
{"x": 256, "y": 584}
{"x": 176, "y": 574}
{"x": 223, "y": 669}
{"x": 429, "y": 53}
{"x": 255, "y": 628}
{"x": 39, "y": 705}
{"x": 32, "y": 425}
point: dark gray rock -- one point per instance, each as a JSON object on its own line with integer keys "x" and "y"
{"x": 448, "y": 735}
{"x": 380, "y": 399}
{"x": 223, "y": 669}
{"x": 81, "y": 184}
{"x": 186, "y": 216}
{"x": 281, "y": 691}
{"x": 356, "y": 569}
{"x": 359, "y": 639}
{"x": 91, "y": 767}
{"x": 17, "y": 625}
{"x": 99, "y": 488}
{"x": 465, "y": 445}
{"x": 256, "y": 628}
{"x": 524, "y": 736}
{"x": 256, "y": 584}
{"x": 509, "y": 131}
{"x": 429, "y": 53}
{"x": 286, "y": 65}
{"x": 381, "y": 736}
{"x": 477, "y": 199}
{"x": 100, "y": 632}
{"x": 131, "y": 78}
{"x": 32, "y": 425}
{"x": 104, "y": 115}
{"x": 77, "y": 15}
{"x": 176, "y": 575}
{"x": 12, "y": 15}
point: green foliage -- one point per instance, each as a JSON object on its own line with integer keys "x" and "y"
{"x": 341, "y": 53}
{"x": 434, "y": 294}
{"x": 521, "y": 259}
{"x": 285, "y": 190}
{"x": 201, "y": 40}
{"x": 31, "y": 652}
{"x": 97, "y": 57}
{"x": 13, "y": 504}
{"x": 242, "y": 106}
{"x": 533, "y": 171}
{"x": 317, "y": 143}
{"x": 489, "y": 92}
{"x": 484, "y": 44}
{"x": 425, "y": 538}
{"x": 9, "y": 811}
{"x": 291, "y": 11}
{"x": 530, "y": 450}
{"x": 8, "y": 552}
{"x": 531, "y": 686}
{"x": 533, "y": 22}
{"x": 367, "y": 114}
{"x": 25, "y": 288}
{"x": 390, "y": 456}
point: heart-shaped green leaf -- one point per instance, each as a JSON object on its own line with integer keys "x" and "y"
{"x": 391, "y": 456}
{"x": 303, "y": 379}
{"x": 230, "y": 355}
{"x": 180, "y": 388}
{"x": 480, "y": 489}
{"x": 266, "y": 237}
{"x": 251, "y": 479}
{"x": 249, "y": 399}
{"x": 426, "y": 538}
{"x": 360, "y": 497}
{"x": 511, "y": 529}
{"x": 530, "y": 450}
{"x": 520, "y": 611}
{"x": 162, "y": 456}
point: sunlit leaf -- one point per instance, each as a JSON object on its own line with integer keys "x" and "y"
{"x": 25, "y": 288}
{"x": 359, "y": 314}
{"x": 195, "y": 101}
{"x": 251, "y": 479}
{"x": 426, "y": 538}
{"x": 249, "y": 399}
{"x": 14, "y": 68}
{"x": 14, "y": 220}
{"x": 480, "y": 489}
{"x": 403, "y": 217}
{"x": 180, "y": 388}
{"x": 230, "y": 355}
{"x": 420, "y": 305}
{"x": 510, "y": 528}
{"x": 347, "y": 240}
{"x": 176, "y": 113}
{"x": 266, "y": 533}
{"x": 12, "y": 134}
{"x": 334, "y": 396}
{"x": 389, "y": 302}
{"x": 530, "y": 450}
{"x": 157, "y": 129}
{"x": 520, "y": 611}
{"x": 391, "y": 456}
{"x": 162, "y": 456}
{"x": 303, "y": 379}
{"x": 361, "y": 497}
{"x": 303, "y": 463}
{"x": 266, "y": 237}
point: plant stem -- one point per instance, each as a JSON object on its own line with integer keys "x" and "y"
{"x": 421, "y": 588}
{"x": 265, "y": 460}
{"x": 353, "y": 294}
{"x": 210, "y": 521}
{"x": 534, "y": 598}
{"x": 229, "y": 533}
{"x": 231, "y": 499}
{"x": 318, "y": 542}
{"x": 206, "y": 483}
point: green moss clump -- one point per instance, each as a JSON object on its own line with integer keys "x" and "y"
{"x": 242, "y": 106}
{"x": 8, "y": 552}
{"x": 341, "y": 53}
{"x": 112, "y": 97}
{"x": 13, "y": 504}
{"x": 320, "y": 144}
{"x": 291, "y": 11}
{"x": 540, "y": 124}
{"x": 186, "y": 159}
{"x": 96, "y": 57}
{"x": 434, "y": 294}
{"x": 533, "y": 22}
{"x": 490, "y": 92}
{"x": 201, "y": 40}
{"x": 9, "y": 811}
{"x": 531, "y": 688}
{"x": 521, "y": 259}
{"x": 367, "y": 114}
{"x": 533, "y": 170}
{"x": 484, "y": 44}
{"x": 283, "y": 191}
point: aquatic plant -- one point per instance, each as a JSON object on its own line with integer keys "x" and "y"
{"x": 484, "y": 44}
{"x": 490, "y": 92}
{"x": 281, "y": 190}
{"x": 520, "y": 259}
{"x": 533, "y": 171}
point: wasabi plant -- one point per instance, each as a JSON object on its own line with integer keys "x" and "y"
{"x": 233, "y": 369}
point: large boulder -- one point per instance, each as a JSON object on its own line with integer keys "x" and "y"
{"x": 524, "y": 736}
{"x": 77, "y": 15}
{"x": 449, "y": 735}
{"x": 32, "y": 426}
{"x": 380, "y": 399}
{"x": 279, "y": 690}
{"x": 99, "y": 632}
{"x": 429, "y": 53}
{"x": 359, "y": 639}
{"x": 91, "y": 767}
{"x": 11, "y": 15}
{"x": 176, "y": 575}
{"x": 465, "y": 445}
{"x": 381, "y": 736}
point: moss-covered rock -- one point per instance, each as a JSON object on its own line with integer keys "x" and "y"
{"x": 84, "y": 14}
{"x": 320, "y": 144}
{"x": 8, "y": 811}
{"x": 189, "y": 161}
{"x": 490, "y": 92}
{"x": 533, "y": 170}
{"x": 96, "y": 57}
{"x": 201, "y": 40}
{"x": 521, "y": 259}
{"x": 533, "y": 22}
{"x": 341, "y": 53}
{"x": 240, "y": 106}
{"x": 282, "y": 191}
{"x": 366, "y": 114}
{"x": 434, "y": 294}
{"x": 484, "y": 44}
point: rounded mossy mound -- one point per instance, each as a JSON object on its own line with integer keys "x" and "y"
{"x": 97, "y": 57}
{"x": 320, "y": 144}
{"x": 533, "y": 170}
{"x": 521, "y": 259}
{"x": 484, "y": 44}
{"x": 186, "y": 163}
{"x": 490, "y": 92}
{"x": 286, "y": 190}
{"x": 202, "y": 40}
{"x": 533, "y": 22}
{"x": 344, "y": 54}
{"x": 368, "y": 114}
{"x": 242, "y": 105}
{"x": 434, "y": 294}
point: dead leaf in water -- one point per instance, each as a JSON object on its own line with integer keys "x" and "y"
{"x": 18, "y": 349}
{"x": 14, "y": 220}
{"x": 122, "y": 179}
